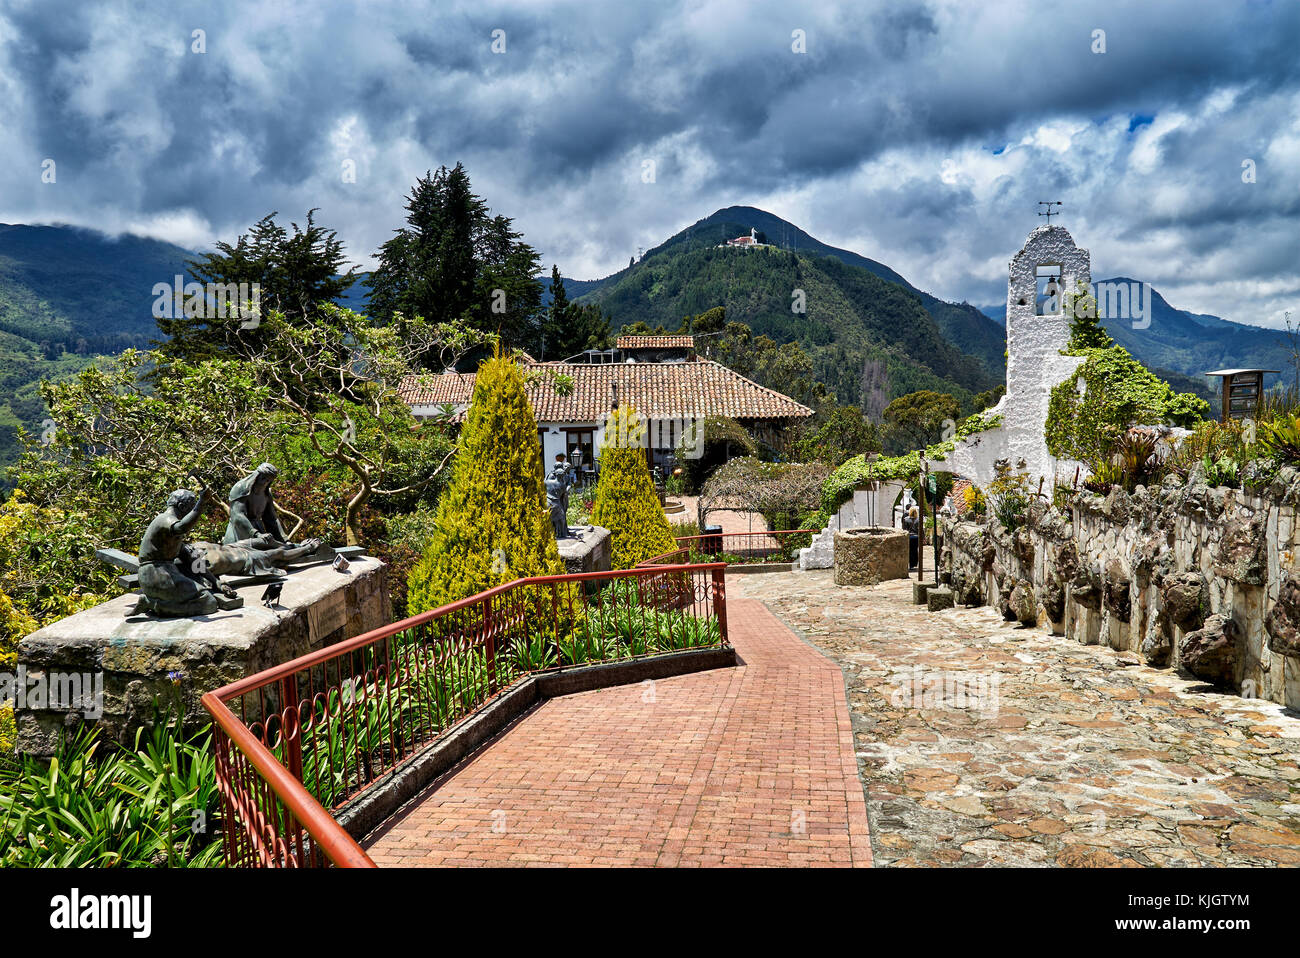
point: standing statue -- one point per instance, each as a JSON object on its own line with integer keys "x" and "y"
{"x": 172, "y": 588}
{"x": 557, "y": 496}
{"x": 252, "y": 510}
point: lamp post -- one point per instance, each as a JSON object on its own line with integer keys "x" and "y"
{"x": 920, "y": 533}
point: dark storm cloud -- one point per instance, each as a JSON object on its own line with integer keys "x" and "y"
{"x": 881, "y": 136}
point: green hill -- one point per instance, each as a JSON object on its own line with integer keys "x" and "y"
{"x": 854, "y": 313}
{"x": 66, "y": 296}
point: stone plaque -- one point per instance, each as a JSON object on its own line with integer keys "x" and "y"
{"x": 328, "y": 615}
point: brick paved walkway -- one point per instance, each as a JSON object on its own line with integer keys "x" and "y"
{"x": 746, "y": 766}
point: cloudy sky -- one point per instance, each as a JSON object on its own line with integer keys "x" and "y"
{"x": 920, "y": 134}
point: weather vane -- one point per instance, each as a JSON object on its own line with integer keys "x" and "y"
{"x": 1049, "y": 212}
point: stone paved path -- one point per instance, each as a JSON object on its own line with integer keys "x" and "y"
{"x": 746, "y": 766}
{"x": 1040, "y": 750}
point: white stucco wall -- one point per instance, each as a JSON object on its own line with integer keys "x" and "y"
{"x": 1034, "y": 365}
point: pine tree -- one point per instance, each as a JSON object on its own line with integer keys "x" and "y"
{"x": 626, "y": 503}
{"x": 454, "y": 262}
{"x": 295, "y": 274}
{"x": 569, "y": 328}
{"x": 492, "y": 524}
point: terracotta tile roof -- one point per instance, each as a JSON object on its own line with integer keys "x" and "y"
{"x": 656, "y": 390}
{"x": 655, "y": 342}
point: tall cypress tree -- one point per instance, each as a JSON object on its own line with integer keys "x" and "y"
{"x": 626, "y": 503}
{"x": 492, "y": 523}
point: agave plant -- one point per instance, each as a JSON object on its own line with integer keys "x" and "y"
{"x": 1280, "y": 439}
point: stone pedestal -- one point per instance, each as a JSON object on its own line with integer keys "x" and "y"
{"x": 140, "y": 660}
{"x": 870, "y": 555}
{"x": 590, "y": 553}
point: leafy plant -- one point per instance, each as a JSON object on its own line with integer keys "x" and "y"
{"x": 626, "y": 502}
{"x": 1280, "y": 439}
{"x": 1009, "y": 495}
{"x": 96, "y": 804}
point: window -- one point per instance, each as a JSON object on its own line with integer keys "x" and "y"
{"x": 1047, "y": 301}
{"x": 583, "y": 441}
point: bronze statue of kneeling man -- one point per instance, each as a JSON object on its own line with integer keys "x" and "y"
{"x": 169, "y": 587}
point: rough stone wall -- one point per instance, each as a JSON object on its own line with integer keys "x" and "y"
{"x": 1201, "y": 579}
{"x": 141, "y": 662}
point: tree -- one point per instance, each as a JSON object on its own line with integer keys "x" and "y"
{"x": 626, "y": 503}
{"x": 843, "y": 434}
{"x": 1086, "y": 331}
{"x": 492, "y": 523}
{"x": 121, "y": 444}
{"x": 569, "y": 328}
{"x": 295, "y": 274}
{"x": 455, "y": 263}
{"x": 359, "y": 422}
{"x": 918, "y": 419}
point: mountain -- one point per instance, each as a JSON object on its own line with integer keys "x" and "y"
{"x": 1183, "y": 344}
{"x": 856, "y": 308}
{"x": 67, "y": 295}
{"x": 1194, "y": 343}
{"x": 961, "y": 324}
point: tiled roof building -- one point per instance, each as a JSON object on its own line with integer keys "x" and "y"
{"x": 656, "y": 390}
{"x": 671, "y": 395}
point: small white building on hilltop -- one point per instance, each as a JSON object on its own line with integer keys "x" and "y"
{"x": 745, "y": 242}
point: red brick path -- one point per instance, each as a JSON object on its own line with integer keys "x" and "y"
{"x": 746, "y": 766}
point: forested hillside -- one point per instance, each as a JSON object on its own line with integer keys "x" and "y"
{"x": 67, "y": 295}
{"x": 851, "y": 316}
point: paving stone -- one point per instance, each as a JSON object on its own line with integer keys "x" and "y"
{"x": 1081, "y": 756}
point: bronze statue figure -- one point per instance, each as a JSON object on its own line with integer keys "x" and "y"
{"x": 169, "y": 587}
{"x": 252, "y": 511}
{"x": 557, "y": 496}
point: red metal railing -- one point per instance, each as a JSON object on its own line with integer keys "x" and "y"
{"x": 737, "y": 547}
{"x": 299, "y": 740}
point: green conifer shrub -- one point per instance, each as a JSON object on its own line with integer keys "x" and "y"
{"x": 492, "y": 524}
{"x": 626, "y": 503}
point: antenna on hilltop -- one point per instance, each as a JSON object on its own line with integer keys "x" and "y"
{"x": 1048, "y": 211}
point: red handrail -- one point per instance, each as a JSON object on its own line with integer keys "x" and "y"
{"x": 272, "y": 819}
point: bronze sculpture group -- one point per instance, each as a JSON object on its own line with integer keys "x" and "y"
{"x": 180, "y": 578}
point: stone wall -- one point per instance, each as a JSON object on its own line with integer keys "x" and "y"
{"x": 1190, "y": 577}
{"x": 867, "y": 507}
{"x": 140, "y": 661}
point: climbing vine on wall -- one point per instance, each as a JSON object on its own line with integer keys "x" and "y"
{"x": 857, "y": 472}
{"x": 1118, "y": 392}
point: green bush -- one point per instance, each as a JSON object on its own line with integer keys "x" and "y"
{"x": 626, "y": 503}
{"x": 96, "y": 804}
{"x": 1119, "y": 392}
{"x": 492, "y": 524}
